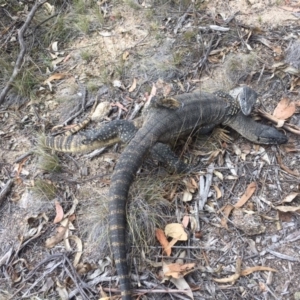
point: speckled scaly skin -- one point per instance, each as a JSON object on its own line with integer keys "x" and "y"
{"x": 161, "y": 125}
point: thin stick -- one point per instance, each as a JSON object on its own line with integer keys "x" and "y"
{"x": 5, "y": 190}
{"x": 21, "y": 55}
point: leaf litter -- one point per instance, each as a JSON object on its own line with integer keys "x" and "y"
{"x": 219, "y": 179}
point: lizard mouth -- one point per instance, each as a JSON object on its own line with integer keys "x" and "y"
{"x": 270, "y": 135}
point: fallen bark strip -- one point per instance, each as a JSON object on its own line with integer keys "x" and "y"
{"x": 21, "y": 55}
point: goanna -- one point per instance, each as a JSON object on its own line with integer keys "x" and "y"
{"x": 160, "y": 126}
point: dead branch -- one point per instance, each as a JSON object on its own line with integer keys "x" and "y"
{"x": 21, "y": 55}
{"x": 5, "y": 190}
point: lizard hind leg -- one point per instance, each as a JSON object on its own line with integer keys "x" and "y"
{"x": 165, "y": 155}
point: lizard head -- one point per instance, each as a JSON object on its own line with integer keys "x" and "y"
{"x": 256, "y": 132}
{"x": 270, "y": 135}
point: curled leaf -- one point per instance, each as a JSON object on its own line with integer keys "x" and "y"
{"x": 160, "y": 235}
{"x": 285, "y": 109}
{"x": 176, "y": 231}
{"x": 246, "y": 196}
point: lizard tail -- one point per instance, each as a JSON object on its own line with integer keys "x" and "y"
{"x": 125, "y": 170}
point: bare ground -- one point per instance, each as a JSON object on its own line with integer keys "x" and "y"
{"x": 169, "y": 44}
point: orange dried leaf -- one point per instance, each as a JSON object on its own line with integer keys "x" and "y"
{"x": 59, "y": 213}
{"x": 219, "y": 194}
{"x": 177, "y": 270}
{"x": 249, "y": 192}
{"x": 55, "y": 76}
{"x": 185, "y": 221}
{"x": 262, "y": 287}
{"x": 285, "y": 109}
{"x": 118, "y": 104}
{"x": 248, "y": 271}
{"x": 133, "y": 86}
{"x": 193, "y": 183}
{"x": 58, "y": 237}
{"x": 285, "y": 168}
{"x": 233, "y": 278}
{"x": 288, "y": 208}
{"x": 160, "y": 235}
{"x": 226, "y": 212}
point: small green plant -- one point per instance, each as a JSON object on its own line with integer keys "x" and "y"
{"x": 133, "y": 4}
{"x": 44, "y": 189}
{"x": 260, "y": 19}
{"x": 189, "y": 35}
{"x": 47, "y": 162}
{"x": 25, "y": 82}
{"x": 83, "y": 23}
{"x": 178, "y": 57}
{"x": 80, "y": 6}
{"x": 149, "y": 14}
{"x": 86, "y": 55}
{"x": 92, "y": 86}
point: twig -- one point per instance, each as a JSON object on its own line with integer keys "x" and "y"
{"x": 182, "y": 19}
{"x": 19, "y": 159}
{"x": 20, "y": 58}
{"x": 5, "y": 190}
{"x": 203, "y": 60}
{"x": 95, "y": 153}
{"x": 289, "y": 127}
{"x": 152, "y": 291}
{"x": 40, "y": 24}
{"x": 81, "y": 110}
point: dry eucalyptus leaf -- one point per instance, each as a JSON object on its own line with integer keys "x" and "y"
{"x": 176, "y": 231}
{"x": 246, "y": 196}
{"x": 105, "y": 33}
{"x": 79, "y": 248}
{"x": 218, "y": 191}
{"x": 54, "y": 46}
{"x": 187, "y": 196}
{"x": 219, "y": 174}
{"x": 285, "y": 109}
{"x": 177, "y": 270}
{"x": 59, "y": 213}
{"x": 226, "y": 212}
{"x": 193, "y": 223}
{"x": 160, "y": 235}
{"x": 185, "y": 221}
{"x": 125, "y": 55}
{"x": 133, "y": 86}
{"x": 231, "y": 177}
{"x": 290, "y": 197}
{"x": 49, "y": 8}
{"x": 117, "y": 83}
{"x": 183, "y": 286}
{"x": 57, "y": 238}
{"x": 236, "y": 150}
{"x": 265, "y": 158}
{"x": 284, "y": 208}
{"x": 248, "y": 271}
{"x": 101, "y": 111}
